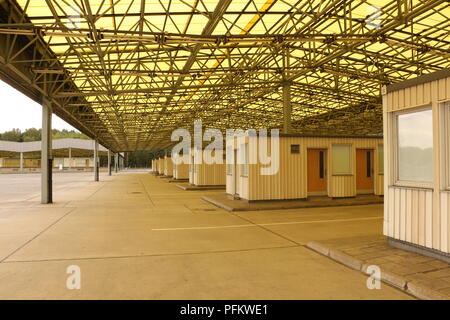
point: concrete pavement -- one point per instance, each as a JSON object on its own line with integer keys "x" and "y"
{"x": 135, "y": 236}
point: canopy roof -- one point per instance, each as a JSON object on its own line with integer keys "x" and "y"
{"x": 128, "y": 72}
{"x": 80, "y": 147}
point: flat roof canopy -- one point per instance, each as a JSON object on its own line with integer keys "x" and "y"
{"x": 129, "y": 72}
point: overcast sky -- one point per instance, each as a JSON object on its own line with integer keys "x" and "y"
{"x": 19, "y": 111}
{"x": 416, "y": 129}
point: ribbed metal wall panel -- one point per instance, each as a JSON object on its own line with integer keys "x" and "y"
{"x": 168, "y": 166}
{"x": 181, "y": 171}
{"x": 418, "y": 215}
{"x": 291, "y": 180}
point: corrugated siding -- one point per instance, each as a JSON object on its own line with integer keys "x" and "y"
{"x": 415, "y": 215}
{"x": 181, "y": 171}
{"x": 379, "y": 184}
{"x": 288, "y": 183}
{"x": 419, "y": 95}
{"x": 207, "y": 174}
{"x": 410, "y": 214}
{"x": 445, "y": 221}
{"x": 342, "y": 186}
{"x": 210, "y": 175}
{"x": 291, "y": 180}
{"x": 168, "y": 166}
{"x": 161, "y": 166}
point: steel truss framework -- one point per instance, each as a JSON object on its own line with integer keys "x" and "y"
{"x": 128, "y": 72}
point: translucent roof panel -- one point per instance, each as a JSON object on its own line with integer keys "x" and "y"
{"x": 131, "y": 71}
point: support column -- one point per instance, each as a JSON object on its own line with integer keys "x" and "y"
{"x": 116, "y": 162}
{"x": 109, "y": 163}
{"x": 287, "y": 108}
{"x": 96, "y": 164}
{"x": 70, "y": 158}
{"x": 21, "y": 162}
{"x": 46, "y": 153}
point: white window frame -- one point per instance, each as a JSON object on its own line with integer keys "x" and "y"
{"x": 445, "y": 159}
{"x": 245, "y": 166}
{"x": 229, "y": 166}
{"x": 394, "y": 146}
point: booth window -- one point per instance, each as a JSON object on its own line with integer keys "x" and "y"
{"x": 415, "y": 147}
{"x": 342, "y": 159}
{"x": 321, "y": 164}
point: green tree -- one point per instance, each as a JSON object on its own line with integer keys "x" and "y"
{"x": 31, "y": 134}
{"x": 66, "y": 134}
{"x": 12, "y": 135}
{"x": 34, "y": 134}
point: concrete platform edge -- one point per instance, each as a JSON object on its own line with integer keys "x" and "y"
{"x": 218, "y": 204}
{"x": 413, "y": 288}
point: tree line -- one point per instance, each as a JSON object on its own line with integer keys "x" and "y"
{"x": 34, "y": 134}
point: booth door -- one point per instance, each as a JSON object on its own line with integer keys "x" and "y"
{"x": 364, "y": 171}
{"x": 317, "y": 176}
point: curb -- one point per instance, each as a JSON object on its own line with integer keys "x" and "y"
{"x": 177, "y": 180}
{"x": 205, "y": 188}
{"x": 413, "y": 288}
{"x": 218, "y": 204}
{"x": 345, "y": 259}
{"x": 318, "y": 247}
{"x": 287, "y": 207}
{"x": 389, "y": 277}
{"x": 422, "y": 292}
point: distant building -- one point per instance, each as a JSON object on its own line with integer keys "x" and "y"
{"x": 68, "y": 154}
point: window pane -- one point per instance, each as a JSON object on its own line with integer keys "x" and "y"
{"x": 415, "y": 143}
{"x": 342, "y": 163}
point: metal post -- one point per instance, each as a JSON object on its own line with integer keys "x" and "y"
{"x": 116, "y": 162}
{"x": 21, "y": 162}
{"x": 70, "y": 158}
{"x": 96, "y": 174}
{"x": 46, "y": 153}
{"x": 109, "y": 163}
{"x": 287, "y": 108}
